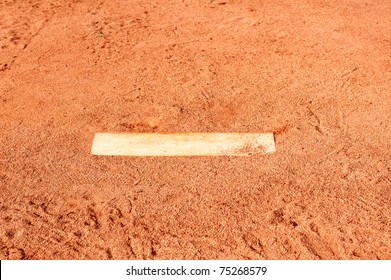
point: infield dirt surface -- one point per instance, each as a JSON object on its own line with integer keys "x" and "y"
{"x": 316, "y": 73}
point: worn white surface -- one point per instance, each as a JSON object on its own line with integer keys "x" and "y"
{"x": 182, "y": 144}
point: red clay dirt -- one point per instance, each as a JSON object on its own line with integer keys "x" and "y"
{"x": 317, "y": 73}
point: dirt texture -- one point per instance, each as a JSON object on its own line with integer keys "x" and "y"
{"x": 316, "y": 73}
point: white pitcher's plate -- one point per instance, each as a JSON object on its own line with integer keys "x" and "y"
{"x": 182, "y": 144}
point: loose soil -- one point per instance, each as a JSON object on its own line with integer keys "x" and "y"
{"x": 316, "y": 73}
